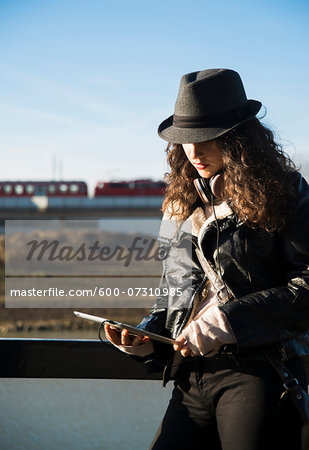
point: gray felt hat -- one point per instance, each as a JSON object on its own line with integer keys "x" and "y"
{"x": 209, "y": 103}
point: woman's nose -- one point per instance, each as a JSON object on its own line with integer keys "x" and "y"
{"x": 195, "y": 151}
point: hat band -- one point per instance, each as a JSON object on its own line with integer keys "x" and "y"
{"x": 213, "y": 120}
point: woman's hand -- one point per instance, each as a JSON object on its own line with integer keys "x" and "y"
{"x": 123, "y": 337}
{"x": 181, "y": 346}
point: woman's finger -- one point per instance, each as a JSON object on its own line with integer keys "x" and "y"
{"x": 145, "y": 339}
{"x": 186, "y": 351}
{"x": 125, "y": 337}
{"x": 179, "y": 343}
{"x": 112, "y": 334}
{"x": 139, "y": 339}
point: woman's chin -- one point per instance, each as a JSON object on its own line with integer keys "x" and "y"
{"x": 206, "y": 173}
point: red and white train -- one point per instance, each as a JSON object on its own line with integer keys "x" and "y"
{"x": 75, "y": 194}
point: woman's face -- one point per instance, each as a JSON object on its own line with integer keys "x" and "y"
{"x": 206, "y": 157}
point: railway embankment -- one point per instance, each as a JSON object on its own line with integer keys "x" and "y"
{"x": 22, "y": 320}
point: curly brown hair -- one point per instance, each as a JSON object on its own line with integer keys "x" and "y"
{"x": 257, "y": 178}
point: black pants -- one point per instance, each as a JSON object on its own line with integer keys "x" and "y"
{"x": 222, "y": 403}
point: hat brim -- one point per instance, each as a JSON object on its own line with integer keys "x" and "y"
{"x": 176, "y": 135}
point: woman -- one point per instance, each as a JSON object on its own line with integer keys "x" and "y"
{"x": 239, "y": 250}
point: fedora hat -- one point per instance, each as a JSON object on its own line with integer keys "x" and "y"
{"x": 209, "y": 103}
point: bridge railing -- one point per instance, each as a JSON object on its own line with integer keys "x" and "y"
{"x": 73, "y": 358}
{"x": 57, "y": 358}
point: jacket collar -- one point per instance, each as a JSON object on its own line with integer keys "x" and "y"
{"x": 200, "y": 222}
{"x": 196, "y": 224}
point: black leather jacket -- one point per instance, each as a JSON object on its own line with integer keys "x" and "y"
{"x": 266, "y": 274}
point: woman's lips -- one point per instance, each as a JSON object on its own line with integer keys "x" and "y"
{"x": 200, "y": 166}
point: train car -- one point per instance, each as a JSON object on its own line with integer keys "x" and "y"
{"x": 20, "y": 189}
{"x": 132, "y": 188}
{"x": 69, "y": 195}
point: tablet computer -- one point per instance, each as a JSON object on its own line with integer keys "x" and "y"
{"x": 125, "y": 326}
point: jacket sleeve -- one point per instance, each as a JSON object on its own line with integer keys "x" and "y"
{"x": 155, "y": 321}
{"x": 153, "y": 353}
{"x": 274, "y": 315}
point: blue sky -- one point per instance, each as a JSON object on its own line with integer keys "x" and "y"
{"x": 84, "y": 84}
